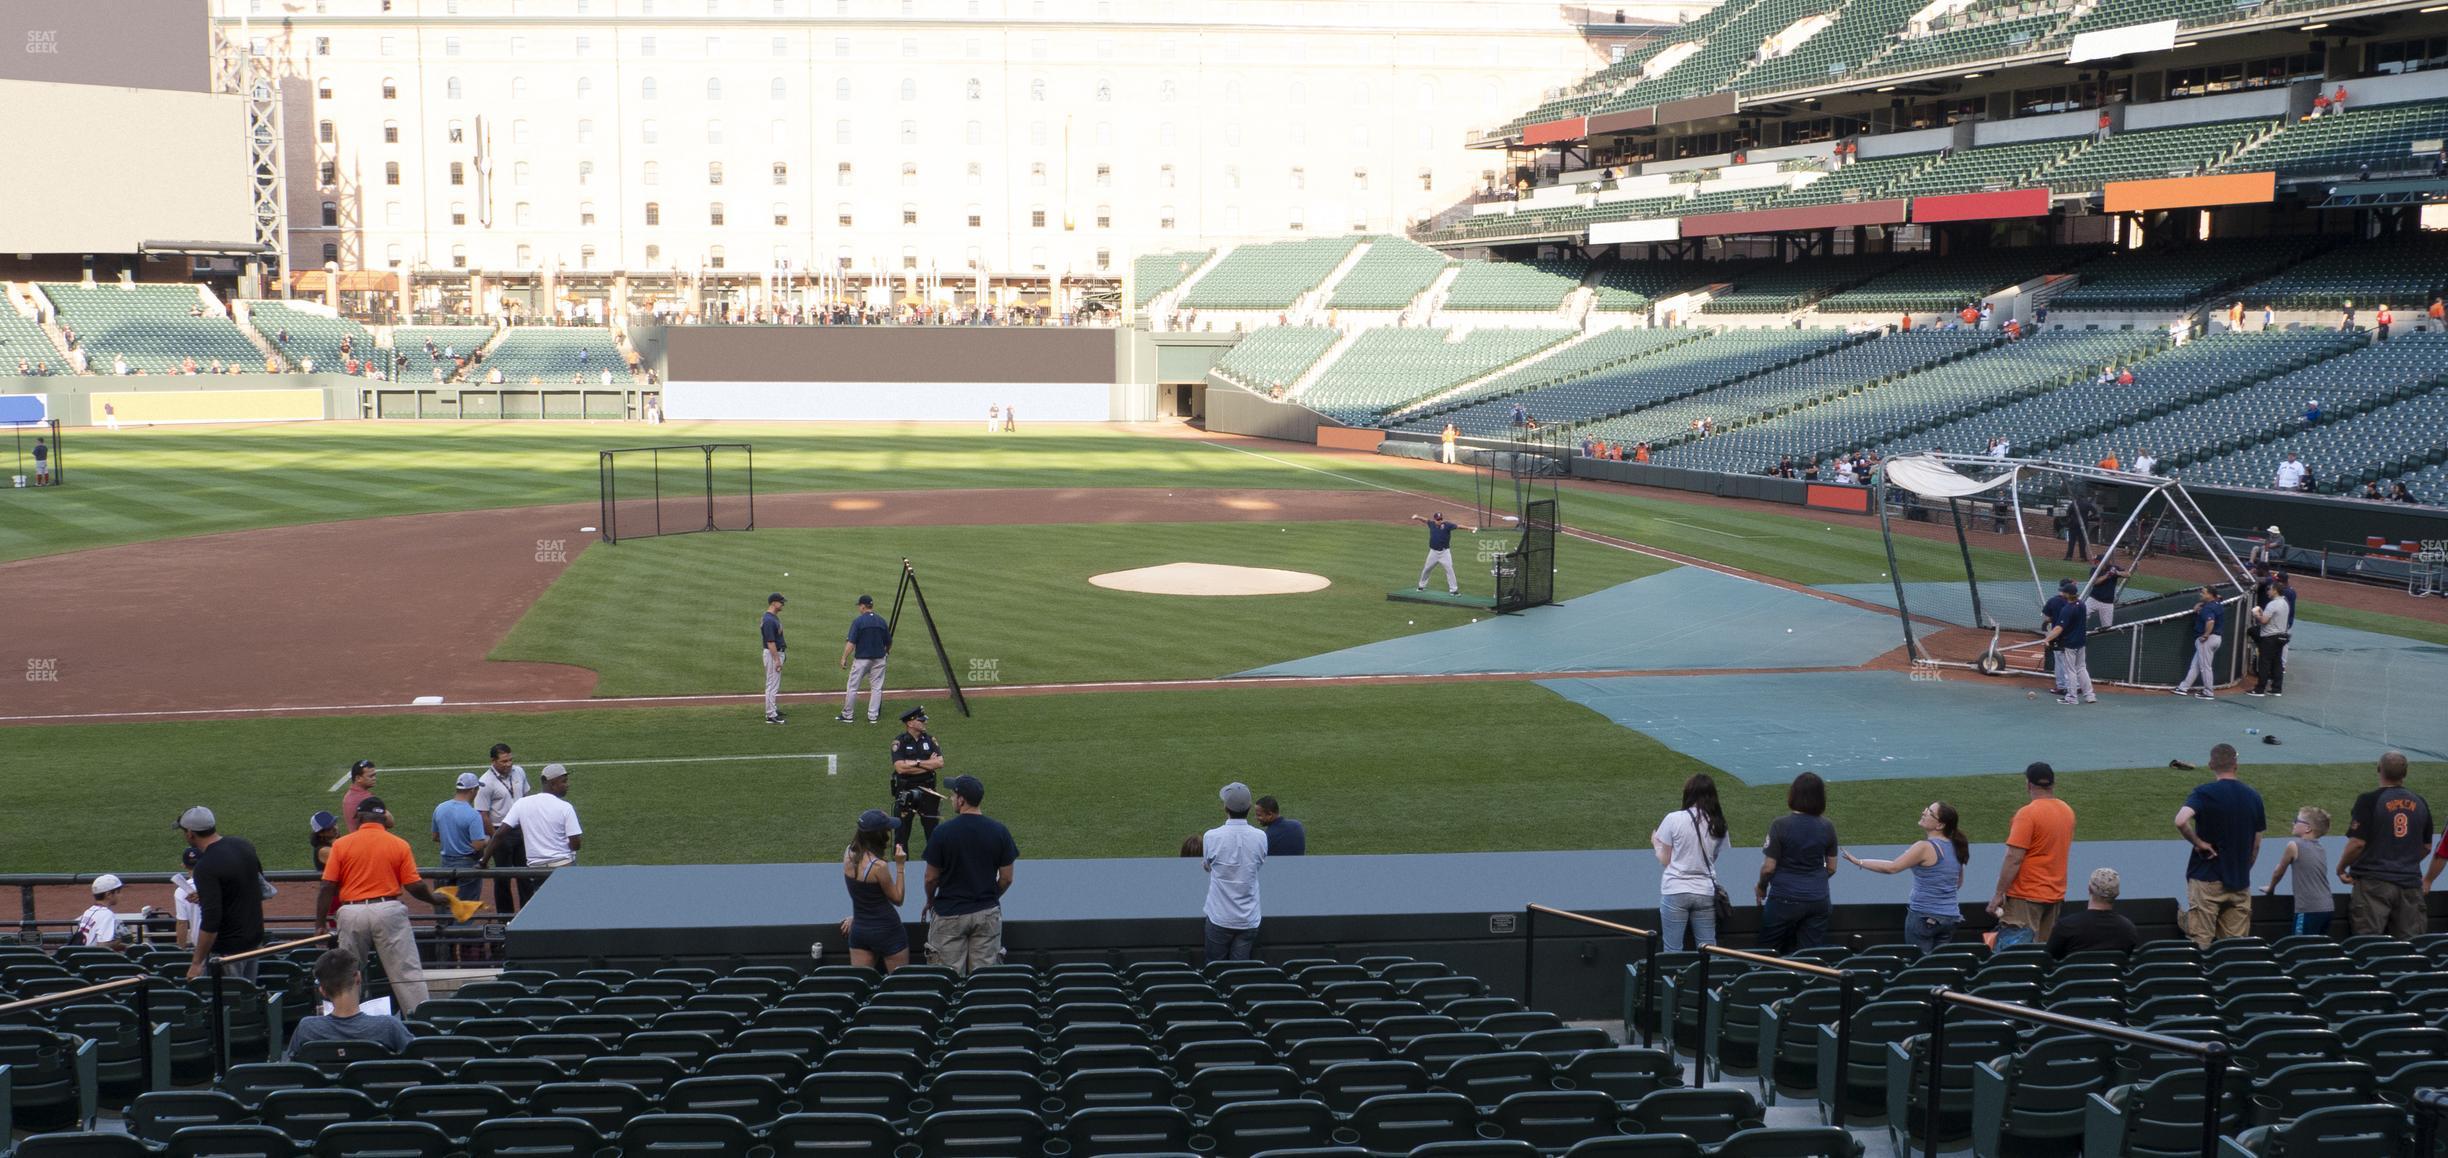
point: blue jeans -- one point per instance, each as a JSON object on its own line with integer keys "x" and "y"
{"x": 2008, "y": 935}
{"x": 1676, "y": 911}
{"x": 1927, "y": 934}
{"x": 1230, "y": 944}
{"x": 2315, "y": 924}
{"x": 1787, "y": 926}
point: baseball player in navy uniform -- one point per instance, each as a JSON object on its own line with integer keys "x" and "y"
{"x": 770, "y": 631}
{"x": 916, "y": 757}
{"x": 863, "y": 654}
{"x": 1440, "y": 551}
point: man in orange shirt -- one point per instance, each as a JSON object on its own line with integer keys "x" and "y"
{"x": 2032, "y": 880}
{"x": 368, "y": 870}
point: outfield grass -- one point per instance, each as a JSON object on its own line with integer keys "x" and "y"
{"x": 679, "y": 614}
{"x": 1433, "y": 768}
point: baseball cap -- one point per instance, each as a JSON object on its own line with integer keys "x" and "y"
{"x": 466, "y": 781}
{"x": 967, "y": 788}
{"x": 876, "y": 820}
{"x": 866, "y": 601}
{"x": 2040, "y": 775}
{"x": 776, "y": 597}
{"x": 360, "y": 766}
{"x": 2106, "y": 884}
{"x": 373, "y": 806}
{"x": 1236, "y": 797}
{"x": 198, "y": 819}
{"x": 105, "y": 883}
{"x": 320, "y": 821}
{"x": 555, "y": 772}
{"x": 917, "y": 713}
{"x": 2068, "y": 585}
{"x": 2273, "y": 530}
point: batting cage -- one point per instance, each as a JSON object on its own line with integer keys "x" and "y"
{"x": 39, "y": 456}
{"x": 1525, "y": 575}
{"x": 676, "y": 490}
{"x": 1969, "y": 575}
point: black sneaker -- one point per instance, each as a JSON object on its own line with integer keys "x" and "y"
{"x": 2256, "y": 693}
{"x": 776, "y": 720}
{"x": 845, "y": 718}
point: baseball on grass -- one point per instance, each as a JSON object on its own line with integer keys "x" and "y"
{"x": 2031, "y": 695}
{"x": 1409, "y": 622}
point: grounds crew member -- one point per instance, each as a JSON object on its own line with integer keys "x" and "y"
{"x": 916, "y": 757}
{"x": 863, "y": 654}
{"x": 369, "y": 871}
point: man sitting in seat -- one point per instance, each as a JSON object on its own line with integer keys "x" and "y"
{"x": 338, "y": 978}
{"x": 2099, "y": 925}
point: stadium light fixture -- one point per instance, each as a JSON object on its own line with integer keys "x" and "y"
{"x": 2432, "y": 9}
{"x": 2313, "y": 27}
{"x": 1886, "y": 88}
{"x": 1971, "y": 76}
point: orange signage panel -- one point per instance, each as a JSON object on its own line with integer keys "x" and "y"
{"x": 1339, "y": 438}
{"x": 2186, "y": 192}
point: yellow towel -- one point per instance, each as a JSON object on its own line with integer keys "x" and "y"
{"x": 460, "y": 910}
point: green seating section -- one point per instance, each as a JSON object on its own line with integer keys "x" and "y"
{"x": 1993, "y": 167}
{"x": 1392, "y": 272}
{"x": 2165, "y": 279}
{"x": 449, "y": 342}
{"x": 1903, "y": 406}
{"x": 1600, "y": 351}
{"x": 2428, "y": 485}
{"x": 1935, "y": 284}
{"x": 1274, "y": 356}
{"x": 1837, "y": 373}
{"x": 2405, "y": 271}
{"x": 2201, "y": 369}
{"x": 1268, "y": 277}
{"x": 150, "y": 326}
{"x": 1771, "y": 288}
{"x": 2239, "y": 420}
{"x": 1514, "y": 285}
{"x": 2190, "y": 13}
{"x": 1860, "y": 181}
{"x": 1722, "y": 55}
{"x": 1637, "y": 285}
{"x": 22, "y": 340}
{"x": 1983, "y": 40}
{"x": 2152, "y": 153}
{"x": 1155, "y": 274}
{"x": 2342, "y": 455}
{"x": 1390, "y": 366}
{"x": 311, "y": 335}
{"x": 549, "y": 355}
{"x": 2382, "y": 137}
{"x": 1860, "y": 30}
{"x": 1669, "y": 373}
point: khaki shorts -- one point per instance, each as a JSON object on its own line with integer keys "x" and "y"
{"x": 2038, "y": 916}
{"x": 2381, "y": 907}
{"x": 2215, "y": 912}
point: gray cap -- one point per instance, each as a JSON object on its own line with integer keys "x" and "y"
{"x": 555, "y": 772}
{"x": 198, "y": 819}
{"x": 466, "y": 781}
{"x": 1236, "y": 797}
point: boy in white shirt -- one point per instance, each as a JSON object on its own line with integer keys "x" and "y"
{"x": 100, "y": 925}
{"x": 183, "y": 904}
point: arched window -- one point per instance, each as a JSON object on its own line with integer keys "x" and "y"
{"x": 909, "y": 88}
{"x": 781, "y": 172}
{"x": 586, "y": 87}
{"x": 518, "y": 88}
{"x": 841, "y": 89}
{"x": 518, "y": 174}
{"x": 331, "y": 214}
{"x": 841, "y": 132}
{"x": 648, "y": 89}
{"x": 650, "y": 130}
{"x": 654, "y": 213}
{"x": 653, "y": 174}
{"x": 713, "y": 88}
{"x": 714, "y": 213}
{"x": 390, "y": 172}
{"x": 778, "y": 89}
{"x": 1037, "y": 90}
{"x": 781, "y": 213}
{"x": 1165, "y": 92}
{"x": 714, "y": 173}
{"x": 1104, "y": 90}
{"x": 909, "y": 213}
{"x": 331, "y": 252}
{"x": 390, "y": 89}
{"x": 526, "y": 256}
{"x": 522, "y": 214}
{"x": 976, "y": 90}
{"x": 452, "y": 90}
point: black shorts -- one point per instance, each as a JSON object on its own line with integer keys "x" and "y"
{"x": 881, "y": 942}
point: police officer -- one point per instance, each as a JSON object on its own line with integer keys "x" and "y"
{"x": 916, "y": 757}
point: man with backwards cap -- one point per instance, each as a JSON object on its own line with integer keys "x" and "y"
{"x": 1440, "y": 552}
{"x": 369, "y": 870}
{"x": 916, "y": 757}
{"x": 1232, "y": 853}
{"x": 863, "y": 654}
{"x": 229, "y": 888}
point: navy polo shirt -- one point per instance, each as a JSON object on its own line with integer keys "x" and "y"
{"x": 869, "y": 636}
{"x": 2049, "y": 610}
{"x": 2206, "y": 619}
{"x": 2075, "y": 619}
{"x": 771, "y": 632}
{"x": 2226, "y": 814}
{"x": 1286, "y": 837}
{"x": 1440, "y": 536}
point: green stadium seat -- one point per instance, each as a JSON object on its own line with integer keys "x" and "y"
{"x": 247, "y": 1140}
{"x": 542, "y": 1136}
{"x": 1710, "y": 1115}
{"x": 678, "y": 1135}
{"x": 84, "y": 1144}
{"x": 1245, "y": 1129}
{"x": 1791, "y": 1142}
{"x": 1553, "y": 1120}
{"x": 157, "y": 1114}
{"x": 1397, "y": 1123}
{"x": 2351, "y": 1131}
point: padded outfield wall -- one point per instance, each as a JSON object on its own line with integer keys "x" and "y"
{"x": 900, "y": 373}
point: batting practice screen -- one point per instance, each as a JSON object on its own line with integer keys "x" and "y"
{"x": 1526, "y": 576}
{"x": 675, "y": 490}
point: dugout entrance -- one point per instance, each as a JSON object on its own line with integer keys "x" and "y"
{"x": 646, "y": 491}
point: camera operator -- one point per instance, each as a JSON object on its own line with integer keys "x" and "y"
{"x": 916, "y": 757}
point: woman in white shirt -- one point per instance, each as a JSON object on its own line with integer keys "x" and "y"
{"x": 1689, "y": 842}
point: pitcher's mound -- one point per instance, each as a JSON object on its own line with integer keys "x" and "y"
{"x": 1210, "y": 579}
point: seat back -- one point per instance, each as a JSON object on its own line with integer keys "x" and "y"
{"x": 981, "y": 1133}
{"x": 1396, "y": 1123}
{"x": 822, "y": 1135}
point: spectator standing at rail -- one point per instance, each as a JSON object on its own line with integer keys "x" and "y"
{"x": 864, "y": 654}
{"x": 1688, "y": 844}
{"x": 229, "y": 885}
{"x": 2385, "y": 838}
{"x": 500, "y": 786}
{"x": 969, "y": 868}
{"x": 1937, "y": 862}
{"x": 362, "y": 775}
{"x": 98, "y": 926}
{"x": 1285, "y": 836}
{"x": 370, "y": 871}
{"x": 1800, "y": 856}
{"x": 547, "y": 823}
{"x": 2222, "y": 821}
{"x": 2314, "y": 903}
{"x": 2098, "y": 925}
{"x": 1233, "y": 853}
{"x": 2032, "y": 879}
{"x": 873, "y": 869}
{"x": 459, "y": 833}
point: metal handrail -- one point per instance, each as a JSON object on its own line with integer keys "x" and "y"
{"x": 143, "y": 985}
{"x": 1848, "y": 1002}
{"x": 26, "y": 883}
{"x": 2213, "y": 1054}
{"x": 214, "y": 966}
{"x": 1648, "y": 940}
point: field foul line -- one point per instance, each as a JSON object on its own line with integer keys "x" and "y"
{"x": 832, "y": 764}
{"x": 1710, "y": 530}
